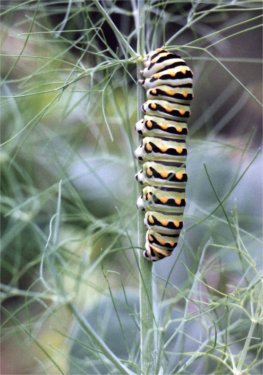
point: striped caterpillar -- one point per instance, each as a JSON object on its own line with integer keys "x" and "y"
{"x": 168, "y": 81}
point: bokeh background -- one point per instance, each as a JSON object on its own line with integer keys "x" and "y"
{"x": 68, "y": 215}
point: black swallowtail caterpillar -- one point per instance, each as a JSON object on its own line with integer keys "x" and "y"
{"x": 168, "y": 81}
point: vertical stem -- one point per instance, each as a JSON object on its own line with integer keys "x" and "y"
{"x": 146, "y": 305}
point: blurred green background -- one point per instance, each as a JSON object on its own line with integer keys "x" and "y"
{"x": 68, "y": 214}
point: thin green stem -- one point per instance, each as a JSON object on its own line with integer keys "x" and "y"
{"x": 233, "y": 76}
{"x": 105, "y": 350}
{"x": 123, "y": 42}
{"x": 146, "y": 303}
{"x": 255, "y": 320}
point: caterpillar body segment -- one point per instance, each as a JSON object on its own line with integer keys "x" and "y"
{"x": 159, "y": 239}
{"x": 173, "y": 94}
{"x": 164, "y": 175}
{"x": 158, "y": 246}
{"x": 154, "y": 252}
{"x": 168, "y": 81}
{"x": 153, "y": 148}
{"x": 161, "y": 127}
{"x": 167, "y": 223}
{"x": 170, "y": 200}
{"x": 166, "y": 109}
{"x": 179, "y": 76}
{"x": 163, "y": 63}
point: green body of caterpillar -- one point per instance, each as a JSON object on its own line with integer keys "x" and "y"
{"x": 168, "y": 81}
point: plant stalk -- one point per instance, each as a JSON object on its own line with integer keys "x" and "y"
{"x": 146, "y": 303}
{"x": 105, "y": 350}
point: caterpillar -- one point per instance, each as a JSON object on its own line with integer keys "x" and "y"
{"x": 168, "y": 82}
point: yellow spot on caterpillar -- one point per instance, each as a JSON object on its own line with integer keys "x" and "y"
{"x": 150, "y": 219}
{"x": 179, "y": 175}
{"x": 176, "y": 223}
{"x": 182, "y": 111}
{"x": 150, "y": 238}
{"x": 163, "y": 148}
{"x": 149, "y": 124}
{"x": 179, "y": 149}
{"x": 179, "y": 129}
{"x": 149, "y": 172}
{"x": 183, "y": 70}
{"x": 164, "y": 222}
{"x": 169, "y": 92}
{"x": 162, "y": 242}
{"x": 153, "y": 91}
{"x": 164, "y": 174}
{"x": 148, "y": 147}
{"x": 163, "y": 126}
{"x": 185, "y": 94}
{"x": 168, "y": 109}
{"x": 153, "y": 105}
{"x": 172, "y": 243}
{"x": 163, "y": 200}
{"x": 178, "y": 201}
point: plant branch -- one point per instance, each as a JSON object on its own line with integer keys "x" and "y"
{"x": 119, "y": 35}
{"x": 146, "y": 304}
{"x": 105, "y": 350}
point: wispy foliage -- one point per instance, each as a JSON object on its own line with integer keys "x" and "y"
{"x": 69, "y": 235}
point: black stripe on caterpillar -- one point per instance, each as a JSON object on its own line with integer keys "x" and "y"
{"x": 168, "y": 83}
